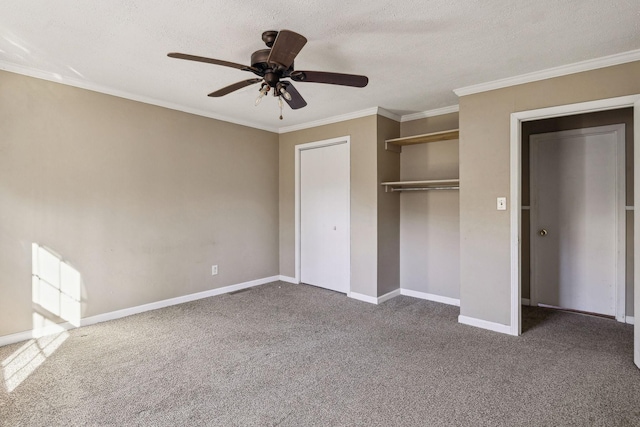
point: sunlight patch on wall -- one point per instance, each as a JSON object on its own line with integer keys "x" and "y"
{"x": 55, "y": 286}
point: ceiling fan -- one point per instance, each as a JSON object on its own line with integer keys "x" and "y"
{"x": 275, "y": 64}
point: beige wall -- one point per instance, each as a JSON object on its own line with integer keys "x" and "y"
{"x": 364, "y": 190}
{"x": 429, "y": 124}
{"x": 141, "y": 200}
{"x": 485, "y": 175}
{"x": 388, "y": 210}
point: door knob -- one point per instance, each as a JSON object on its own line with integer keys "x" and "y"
{"x": 542, "y": 232}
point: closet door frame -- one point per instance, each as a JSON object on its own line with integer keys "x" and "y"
{"x": 298, "y": 149}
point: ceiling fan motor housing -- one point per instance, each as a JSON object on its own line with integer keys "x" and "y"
{"x": 272, "y": 72}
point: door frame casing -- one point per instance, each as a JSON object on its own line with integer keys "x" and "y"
{"x": 515, "y": 205}
{"x": 309, "y": 146}
{"x": 620, "y": 208}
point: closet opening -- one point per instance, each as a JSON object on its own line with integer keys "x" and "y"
{"x": 577, "y": 216}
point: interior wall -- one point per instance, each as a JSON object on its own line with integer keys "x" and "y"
{"x": 579, "y": 121}
{"x": 430, "y": 124}
{"x": 485, "y": 249}
{"x": 364, "y": 191}
{"x": 139, "y": 199}
{"x": 388, "y": 210}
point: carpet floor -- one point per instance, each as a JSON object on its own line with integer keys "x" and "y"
{"x": 294, "y": 355}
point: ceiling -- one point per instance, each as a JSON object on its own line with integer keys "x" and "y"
{"x": 415, "y": 52}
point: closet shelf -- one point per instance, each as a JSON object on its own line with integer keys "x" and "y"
{"x": 433, "y": 184}
{"x": 396, "y": 144}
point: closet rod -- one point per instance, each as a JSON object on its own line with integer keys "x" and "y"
{"x": 424, "y": 188}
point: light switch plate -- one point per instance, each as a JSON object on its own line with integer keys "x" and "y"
{"x": 502, "y": 203}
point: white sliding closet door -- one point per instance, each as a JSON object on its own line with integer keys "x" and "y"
{"x": 324, "y": 217}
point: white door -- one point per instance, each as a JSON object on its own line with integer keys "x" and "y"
{"x": 577, "y": 219}
{"x": 324, "y": 217}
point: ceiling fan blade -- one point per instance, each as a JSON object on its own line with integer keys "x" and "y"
{"x": 211, "y": 61}
{"x": 233, "y": 87}
{"x": 286, "y": 47}
{"x": 297, "y": 101}
{"x": 330, "y": 78}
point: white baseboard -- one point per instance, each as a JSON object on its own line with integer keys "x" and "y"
{"x": 484, "y": 324}
{"x": 35, "y": 333}
{"x": 630, "y": 320}
{"x": 86, "y": 321}
{"x": 374, "y": 300}
{"x": 430, "y": 297}
{"x": 288, "y": 279}
{"x": 389, "y": 295}
{"x": 363, "y": 297}
{"x": 525, "y": 301}
{"x": 406, "y": 292}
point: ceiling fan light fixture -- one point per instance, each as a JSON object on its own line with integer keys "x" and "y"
{"x": 263, "y": 92}
{"x": 283, "y": 92}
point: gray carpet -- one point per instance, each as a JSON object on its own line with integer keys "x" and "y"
{"x": 295, "y": 355}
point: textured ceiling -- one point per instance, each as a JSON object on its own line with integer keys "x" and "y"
{"x": 415, "y": 52}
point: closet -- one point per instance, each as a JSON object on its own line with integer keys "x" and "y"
{"x": 429, "y": 214}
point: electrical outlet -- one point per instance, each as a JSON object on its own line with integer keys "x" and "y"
{"x": 214, "y": 270}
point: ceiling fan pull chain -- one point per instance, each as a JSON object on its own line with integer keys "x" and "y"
{"x": 280, "y": 104}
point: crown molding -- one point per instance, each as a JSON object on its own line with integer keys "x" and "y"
{"x": 388, "y": 114}
{"x": 69, "y": 81}
{"x": 57, "y": 78}
{"x": 371, "y": 112}
{"x": 336, "y": 119}
{"x": 430, "y": 113}
{"x": 577, "y": 67}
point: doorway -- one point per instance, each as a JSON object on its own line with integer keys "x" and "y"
{"x": 577, "y": 229}
{"x": 323, "y": 214}
{"x": 517, "y": 120}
